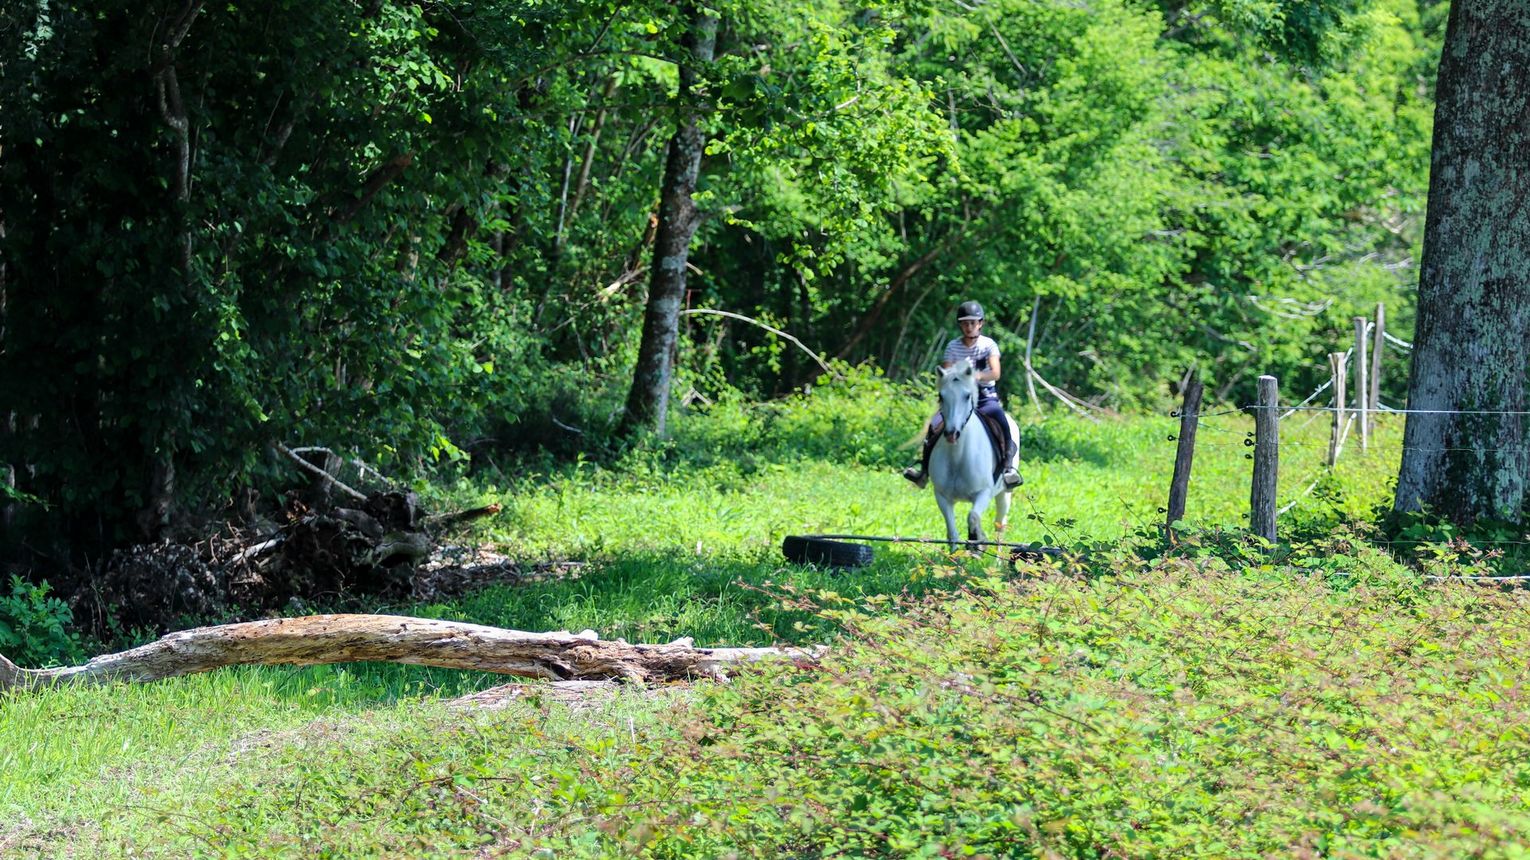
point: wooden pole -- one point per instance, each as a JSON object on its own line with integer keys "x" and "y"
{"x": 1266, "y": 459}
{"x": 1189, "y": 419}
{"x": 1362, "y": 386}
{"x": 1378, "y": 341}
{"x": 1030, "y": 342}
{"x": 1337, "y": 364}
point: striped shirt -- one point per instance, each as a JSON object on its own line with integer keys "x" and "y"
{"x": 977, "y": 355}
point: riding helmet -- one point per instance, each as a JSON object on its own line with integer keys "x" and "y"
{"x": 969, "y": 311}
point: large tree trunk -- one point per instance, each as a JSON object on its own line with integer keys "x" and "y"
{"x": 1474, "y": 289}
{"x": 7, "y": 420}
{"x": 318, "y": 639}
{"x": 648, "y": 401}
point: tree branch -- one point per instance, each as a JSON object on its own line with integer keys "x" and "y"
{"x": 390, "y": 170}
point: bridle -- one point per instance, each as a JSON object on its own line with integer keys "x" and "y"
{"x": 952, "y": 435}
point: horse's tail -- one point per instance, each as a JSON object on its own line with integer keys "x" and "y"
{"x": 917, "y": 439}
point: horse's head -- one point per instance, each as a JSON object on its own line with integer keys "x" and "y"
{"x": 958, "y": 399}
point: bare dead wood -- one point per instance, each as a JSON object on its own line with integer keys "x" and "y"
{"x": 360, "y": 465}
{"x": 1362, "y": 384}
{"x": 458, "y": 517}
{"x": 322, "y": 639}
{"x": 399, "y": 547}
{"x": 1184, "y": 456}
{"x": 292, "y": 455}
{"x": 1262, "y": 488}
{"x": 773, "y": 330}
{"x": 1030, "y": 345}
{"x": 1337, "y": 362}
{"x": 1076, "y": 404}
{"x": 1378, "y": 343}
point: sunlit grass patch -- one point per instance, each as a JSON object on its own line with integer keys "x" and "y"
{"x": 88, "y": 747}
{"x": 1084, "y": 481}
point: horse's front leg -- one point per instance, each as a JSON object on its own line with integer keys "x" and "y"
{"x": 948, "y": 510}
{"x": 1001, "y": 514}
{"x": 975, "y": 518}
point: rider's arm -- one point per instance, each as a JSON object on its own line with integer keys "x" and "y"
{"x": 992, "y": 373}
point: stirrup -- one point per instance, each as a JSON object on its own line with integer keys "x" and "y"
{"x": 1011, "y": 479}
{"x": 916, "y": 475}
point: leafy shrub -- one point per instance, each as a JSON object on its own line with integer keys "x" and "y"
{"x": 1170, "y": 710}
{"x": 35, "y": 627}
{"x": 857, "y": 415}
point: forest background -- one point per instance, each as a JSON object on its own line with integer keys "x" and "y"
{"x": 422, "y": 233}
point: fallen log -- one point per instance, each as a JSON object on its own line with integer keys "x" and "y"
{"x": 318, "y": 639}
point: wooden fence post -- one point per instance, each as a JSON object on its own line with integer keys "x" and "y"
{"x": 1337, "y": 363}
{"x": 1266, "y": 459}
{"x": 1378, "y": 341}
{"x": 1362, "y": 386}
{"x": 1189, "y": 419}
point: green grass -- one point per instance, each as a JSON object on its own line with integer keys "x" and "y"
{"x": 677, "y": 541}
{"x": 1086, "y": 481}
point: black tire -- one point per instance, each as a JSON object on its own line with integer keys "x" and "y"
{"x": 832, "y": 553}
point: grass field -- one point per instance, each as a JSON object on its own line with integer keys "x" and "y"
{"x": 363, "y": 760}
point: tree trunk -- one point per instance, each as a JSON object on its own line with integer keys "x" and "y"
{"x": 321, "y": 639}
{"x": 7, "y": 420}
{"x": 154, "y": 516}
{"x": 1474, "y": 299}
{"x": 648, "y": 401}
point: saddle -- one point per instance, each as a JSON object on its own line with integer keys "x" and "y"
{"x": 995, "y": 438}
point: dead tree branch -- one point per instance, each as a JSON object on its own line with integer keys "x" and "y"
{"x": 322, "y": 639}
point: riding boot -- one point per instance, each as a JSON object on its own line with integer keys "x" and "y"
{"x": 921, "y": 475}
{"x": 1011, "y": 477}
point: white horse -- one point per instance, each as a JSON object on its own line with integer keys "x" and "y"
{"x": 962, "y": 463}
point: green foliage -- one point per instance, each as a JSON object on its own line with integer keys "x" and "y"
{"x": 1329, "y": 703}
{"x": 1304, "y": 32}
{"x": 1136, "y": 713}
{"x": 36, "y": 628}
{"x": 319, "y": 295}
{"x": 855, "y": 415}
{"x": 1134, "y": 696}
{"x": 414, "y": 231}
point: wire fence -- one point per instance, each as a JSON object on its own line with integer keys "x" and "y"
{"x": 1366, "y": 407}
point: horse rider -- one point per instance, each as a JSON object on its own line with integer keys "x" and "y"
{"x": 982, "y": 353}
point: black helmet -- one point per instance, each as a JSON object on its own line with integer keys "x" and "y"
{"x": 969, "y": 311}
